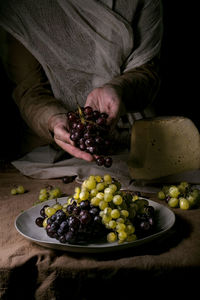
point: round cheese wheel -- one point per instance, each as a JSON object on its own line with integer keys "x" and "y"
{"x": 163, "y": 146}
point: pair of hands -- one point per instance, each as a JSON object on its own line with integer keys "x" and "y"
{"x": 104, "y": 99}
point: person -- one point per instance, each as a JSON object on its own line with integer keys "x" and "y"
{"x": 103, "y": 54}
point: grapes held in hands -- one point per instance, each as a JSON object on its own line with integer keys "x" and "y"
{"x": 89, "y": 130}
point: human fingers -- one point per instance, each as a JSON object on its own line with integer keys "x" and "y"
{"x": 74, "y": 151}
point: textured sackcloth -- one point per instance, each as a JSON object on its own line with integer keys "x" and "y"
{"x": 112, "y": 40}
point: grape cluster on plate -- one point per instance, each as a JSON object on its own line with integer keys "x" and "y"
{"x": 181, "y": 195}
{"x": 89, "y": 131}
{"x": 98, "y": 209}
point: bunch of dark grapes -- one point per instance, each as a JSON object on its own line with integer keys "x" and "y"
{"x": 89, "y": 131}
{"x": 145, "y": 221}
{"x": 78, "y": 224}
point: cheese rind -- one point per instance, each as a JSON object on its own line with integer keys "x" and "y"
{"x": 163, "y": 146}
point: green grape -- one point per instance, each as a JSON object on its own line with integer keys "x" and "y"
{"x": 184, "y": 203}
{"x": 57, "y": 206}
{"x": 49, "y": 211}
{"x": 43, "y": 191}
{"x": 111, "y": 237}
{"x": 106, "y": 219}
{"x": 43, "y": 197}
{"x": 20, "y": 189}
{"x": 91, "y": 183}
{"x": 120, "y": 227}
{"x": 120, "y": 220}
{"x": 112, "y": 224}
{"x": 173, "y": 202}
{"x": 45, "y": 223}
{"x": 108, "y": 197}
{"x": 107, "y": 211}
{"x": 95, "y": 201}
{"x": 135, "y": 197}
{"x": 107, "y": 178}
{"x": 84, "y": 195}
{"x": 173, "y": 191}
{"x": 100, "y": 195}
{"x": 115, "y": 213}
{"x": 122, "y": 235}
{"x": 183, "y": 186}
{"x": 192, "y": 200}
{"x": 93, "y": 192}
{"x": 117, "y": 200}
{"x": 100, "y": 186}
{"x": 98, "y": 178}
{"x": 131, "y": 238}
{"x": 124, "y": 213}
{"x": 113, "y": 188}
{"x": 13, "y": 191}
{"x": 130, "y": 229}
{"x": 161, "y": 195}
{"x": 103, "y": 204}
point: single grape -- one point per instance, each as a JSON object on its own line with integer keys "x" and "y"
{"x": 39, "y": 221}
{"x": 13, "y": 191}
{"x": 20, "y": 189}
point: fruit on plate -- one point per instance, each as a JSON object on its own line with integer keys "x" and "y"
{"x": 183, "y": 195}
{"x": 89, "y": 130}
{"x": 98, "y": 209}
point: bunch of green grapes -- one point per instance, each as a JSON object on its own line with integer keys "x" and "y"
{"x": 181, "y": 195}
{"x": 17, "y": 190}
{"x": 49, "y": 193}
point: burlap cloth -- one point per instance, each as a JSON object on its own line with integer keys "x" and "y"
{"x": 29, "y": 271}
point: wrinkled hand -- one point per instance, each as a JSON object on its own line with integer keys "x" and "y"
{"x": 106, "y": 99}
{"x": 59, "y": 126}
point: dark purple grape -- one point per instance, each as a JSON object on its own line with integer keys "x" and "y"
{"x": 54, "y": 226}
{"x": 108, "y": 162}
{"x": 88, "y": 110}
{"x": 80, "y": 127}
{"x": 72, "y": 117}
{"x": 145, "y": 226}
{"x": 94, "y": 211}
{"x": 85, "y": 217}
{"x": 75, "y": 136}
{"x": 70, "y": 208}
{"x": 64, "y": 225}
{"x": 39, "y": 221}
{"x": 96, "y": 114}
{"x": 77, "y": 210}
{"x": 62, "y": 239}
{"x": 101, "y": 121}
{"x": 68, "y": 179}
{"x": 89, "y": 142}
{"x": 73, "y": 223}
{"x": 97, "y": 219}
{"x": 84, "y": 204}
{"x": 92, "y": 149}
{"x": 104, "y": 115}
{"x": 100, "y": 161}
{"x": 82, "y": 147}
{"x": 42, "y": 211}
{"x": 99, "y": 140}
{"x": 70, "y": 237}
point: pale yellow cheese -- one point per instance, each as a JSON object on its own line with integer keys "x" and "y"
{"x": 163, "y": 146}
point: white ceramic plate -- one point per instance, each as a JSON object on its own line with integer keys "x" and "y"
{"x": 25, "y": 225}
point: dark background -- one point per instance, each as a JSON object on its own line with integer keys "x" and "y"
{"x": 179, "y": 74}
